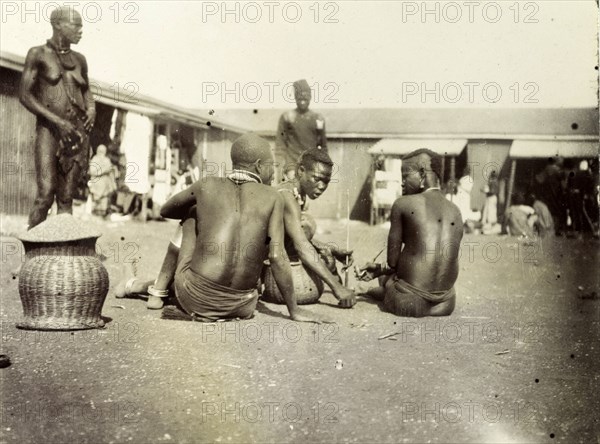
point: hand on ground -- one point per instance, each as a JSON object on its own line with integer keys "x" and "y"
{"x": 346, "y": 298}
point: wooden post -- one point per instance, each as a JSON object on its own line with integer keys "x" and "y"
{"x": 443, "y": 170}
{"x": 511, "y": 183}
{"x": 453, "y": 168}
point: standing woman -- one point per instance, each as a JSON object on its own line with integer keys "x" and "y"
{"x": 55, "y": 88}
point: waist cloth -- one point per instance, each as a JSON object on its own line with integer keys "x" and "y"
{"x": 209, "y": 301}
{"x": 404, "y": 299}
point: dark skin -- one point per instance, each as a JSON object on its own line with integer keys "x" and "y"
{"x": 302, "y": 104}
{"x": 312, "y": 182}
{"x": 40, "y": 91}
{"x": 424, "y": 238}
{"x": 234, "y": 230}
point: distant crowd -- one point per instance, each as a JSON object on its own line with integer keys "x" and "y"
{"x": 561, "y": 199}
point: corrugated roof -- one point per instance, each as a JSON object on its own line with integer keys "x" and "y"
{"x": 399, "y": 147}
{"x": 551, "y": 148}
{"x": 446, "y": 123}
{"x": 106, "y": 93}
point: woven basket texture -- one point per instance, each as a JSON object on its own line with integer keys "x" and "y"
{"x": 62, "y": 285}
{"x": 307, "y": 285}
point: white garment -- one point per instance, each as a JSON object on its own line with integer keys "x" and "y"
{"x": 136, "y": 147}
{"x": 462, "y": 199}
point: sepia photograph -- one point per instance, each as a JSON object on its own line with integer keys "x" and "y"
{"x": 299, "y": 222}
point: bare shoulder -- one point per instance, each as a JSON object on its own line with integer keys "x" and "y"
{"x": 266, "y": 191}
{"x": 290, "y": 115}
{"x": 80, "y": 57}
{"x": 35, "y": 52}
{"x": 406, "y": 202}
{"x": 285, "y": 189}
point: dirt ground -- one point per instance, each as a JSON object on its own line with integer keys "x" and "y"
{"x": 517, "y": 361}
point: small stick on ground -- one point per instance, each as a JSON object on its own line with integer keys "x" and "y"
{"x": 347, "y": 272}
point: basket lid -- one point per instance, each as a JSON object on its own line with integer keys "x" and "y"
{"x": 60, "y": 228}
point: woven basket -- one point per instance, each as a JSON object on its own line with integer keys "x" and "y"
{"x": 307, "y": 285}
{"x": 62, "y": 284}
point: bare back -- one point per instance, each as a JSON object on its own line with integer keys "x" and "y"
{"x": 233, "y": 223}
{"x": 431, "y": 228}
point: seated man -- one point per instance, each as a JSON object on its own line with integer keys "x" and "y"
{"x": 229, "y": 227}
{"x": 312, "y": 177}
{"x": 419, "y": 278}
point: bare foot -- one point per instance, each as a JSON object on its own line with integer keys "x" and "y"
{"x": 155, "y": 303}
{"x": 124, "y": 288}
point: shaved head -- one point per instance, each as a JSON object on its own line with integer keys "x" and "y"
{"x": 63, "y": 13}
{"x": 424, "y": 159}
{"x": 249, "y": 148}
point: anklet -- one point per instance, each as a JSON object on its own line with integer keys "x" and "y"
{"x": 157, "y": 293}
{"x": 129, "y": 284}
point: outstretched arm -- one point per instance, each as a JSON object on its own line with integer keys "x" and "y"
{"x": 280, "y": 266}
{"x": 308, "y": 254}
{"x": 178, "y": 206}
{"x": 88, "y": 97}
{"x": 373, "y": 270}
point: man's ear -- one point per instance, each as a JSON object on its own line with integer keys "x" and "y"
{"x": 422, "y": 173}
{"x": 258, "y": 166}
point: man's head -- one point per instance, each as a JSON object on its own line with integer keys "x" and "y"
{"x": 66, "y": 23}
{"x": 302, "y": 95}
{"x": 421, "y": 169}
{"x": 101, "y": 150}
{"x": 314, "y": 172}
{"x": 253, "y": 153}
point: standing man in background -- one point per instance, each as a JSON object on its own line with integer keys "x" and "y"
{"x": 299, "y": 130}
{"x": 55, "y": 88}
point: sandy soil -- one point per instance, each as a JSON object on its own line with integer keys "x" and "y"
{"x": 516, "y": 362}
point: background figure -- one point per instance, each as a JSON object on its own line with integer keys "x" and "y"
{"x": 549, "y": 188}
{"x": 55, "y": 88}
{"x": 102, "y": 183}
{"x": 544, "y": 222}
{"x": 520, "y": 217}
{"x": 462, "y": 200}
{"x": 591, "y": 198}
{"x": 577, "y": 183}
{"x": 489, "y": 217}
{"x": 162, "y": 176}
{"x": 299, "y": 130}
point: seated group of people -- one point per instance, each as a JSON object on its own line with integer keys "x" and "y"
{"x": 229, "y": 226}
